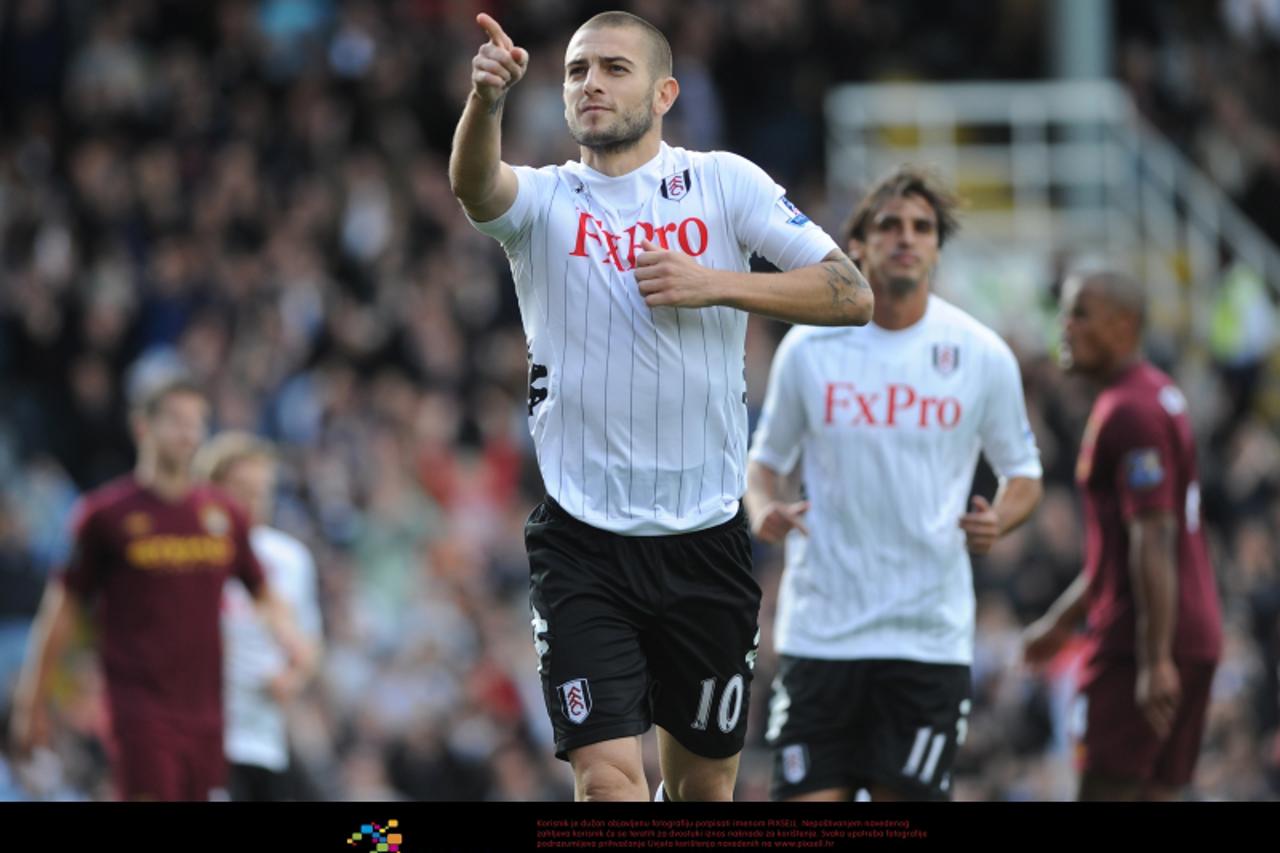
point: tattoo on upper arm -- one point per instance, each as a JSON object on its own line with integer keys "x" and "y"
{"x": 846, "y": 283}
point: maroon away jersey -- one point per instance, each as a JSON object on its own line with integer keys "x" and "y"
{"x": 155, "y": 572}
{"x": 1137, "y": 455}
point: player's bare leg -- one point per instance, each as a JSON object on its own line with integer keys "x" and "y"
{"x": 1096, "y": 788}
{"x": 826, "y": 795}
{"x": 690, "y": 777}
{"x": 612, "y": 771}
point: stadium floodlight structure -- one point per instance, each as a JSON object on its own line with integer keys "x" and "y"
{"x": 1054, "y": 172}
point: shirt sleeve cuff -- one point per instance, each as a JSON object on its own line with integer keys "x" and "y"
{"x": 781, "y": 463}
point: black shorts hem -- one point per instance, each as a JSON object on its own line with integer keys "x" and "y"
{"x": 917, "y": 793}
{"x": 700, "y": 749}
{"x": 836, "y": 776}
{"x": 581, "y": 739}
{"x": 778, "y": 795}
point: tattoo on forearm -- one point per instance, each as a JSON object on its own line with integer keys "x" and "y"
{"x": 845, "y": 283}
{"x": 496, "y": 106}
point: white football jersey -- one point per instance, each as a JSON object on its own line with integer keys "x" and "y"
{"x": 255, "y": 731}
{"x": 639, "y": 414}
{"x": 889, "y": 426}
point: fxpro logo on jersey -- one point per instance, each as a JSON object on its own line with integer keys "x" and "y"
{"x": 897, "y": 405}
{"x": 690, "y": 235}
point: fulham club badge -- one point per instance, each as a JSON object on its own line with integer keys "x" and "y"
{"x": 676, "y": 187}
{"x": 795, "y": 763}
{"x": 575, "y": 700}
{"x": 946, "y": 358}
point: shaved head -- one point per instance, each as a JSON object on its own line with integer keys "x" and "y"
{"x": 1102, "y": 318}
{"x": 659, "y": 51}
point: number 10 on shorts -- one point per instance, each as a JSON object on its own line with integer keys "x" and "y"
{"x": 730, "y": 704}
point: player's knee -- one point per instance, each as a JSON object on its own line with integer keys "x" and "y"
{"x": 607, "y": 781}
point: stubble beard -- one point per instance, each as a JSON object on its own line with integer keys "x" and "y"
{"x": 902, "y": 286}
{"x": 623, "y": 136}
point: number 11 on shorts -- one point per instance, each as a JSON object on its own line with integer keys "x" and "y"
{"x": 730, "y": 704}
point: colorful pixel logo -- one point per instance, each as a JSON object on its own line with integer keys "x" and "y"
{"x": 378, "y": 838}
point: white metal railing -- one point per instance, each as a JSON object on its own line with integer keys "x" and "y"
{"x": 1052, "y": 170}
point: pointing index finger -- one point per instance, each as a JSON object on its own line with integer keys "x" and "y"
{"x": 494, "y": 30}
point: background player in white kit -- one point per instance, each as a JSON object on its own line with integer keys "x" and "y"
{"x": 876, "y": 610}
{"x": 631, "y": 269}
{"x": 260, "y": 681}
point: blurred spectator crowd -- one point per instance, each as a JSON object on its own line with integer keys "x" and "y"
{"x": 255, "y": 192}
{"x": 1204, "y": 74}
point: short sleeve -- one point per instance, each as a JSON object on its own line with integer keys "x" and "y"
{"x": 1145, "y": 464}
{"x": 782, "y": 425}
{"x": 85, "y": 571}
{"x": 1008, "y": 441}
{"x": 765, "y": 221}
{"x": 514, "y": 226}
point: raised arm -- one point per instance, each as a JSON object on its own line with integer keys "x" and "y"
{"x": 484, "y": 184}
{"x": 829, "y": 293}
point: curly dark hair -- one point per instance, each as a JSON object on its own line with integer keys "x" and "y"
{"x": 906, "y": 180}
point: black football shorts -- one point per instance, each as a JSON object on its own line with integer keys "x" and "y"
{"x": 636, "y": 630}
{"x": 857, "y": 723}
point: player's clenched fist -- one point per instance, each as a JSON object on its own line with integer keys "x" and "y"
{"x": 673, "y": 279}
{"x": 779, "y": 519}
{"x": 981, "y": 526}
{"x": 498, "y": 65}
